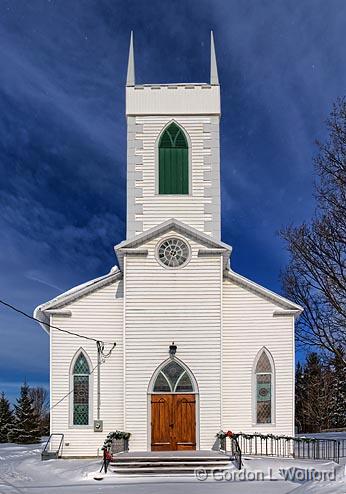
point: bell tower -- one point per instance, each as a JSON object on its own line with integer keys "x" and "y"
{"x": 173, "y": 152}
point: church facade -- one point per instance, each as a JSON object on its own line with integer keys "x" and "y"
{"x": 199, "y": 348}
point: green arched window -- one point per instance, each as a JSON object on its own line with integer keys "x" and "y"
{"x": 173, "y": 161}
{"x": 81, "y": 378}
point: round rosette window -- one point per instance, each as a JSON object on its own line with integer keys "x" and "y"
{"x": 173, "y": 252}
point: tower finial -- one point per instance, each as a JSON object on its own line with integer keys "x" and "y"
{"x": 130, "y": 79}
{"x": 214, "y": 78}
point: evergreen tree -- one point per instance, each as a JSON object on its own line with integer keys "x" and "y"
{"x": 338, "y": 401}
{"x": 6, "y": 418}
{"x": 26, "y": 427}
{"x": 320, "y": 394}
{"x": 299, "y": 398}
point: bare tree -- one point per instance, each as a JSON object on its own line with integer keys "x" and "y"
{"x": 40, "y": 403}
{"x": 316, "y": 275}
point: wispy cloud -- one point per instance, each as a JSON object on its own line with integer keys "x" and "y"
{"x": 63, "y": 138}
{"x": 37, "y": 276}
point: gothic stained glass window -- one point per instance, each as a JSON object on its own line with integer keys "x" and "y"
{"x": 173, "y": 161}
{"x": 81, "y": 376}
{"x": 263, "y": 364}
{"x": 184, "y": 384}
{"x": 264, "y": 376}
{"x": 161, "y": 384}
{"x": 173, "y": 378}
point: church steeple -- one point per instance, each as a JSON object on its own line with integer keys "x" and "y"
{"x": 214, "y": 77}
{"x": 130, "y": 79}
{"x": 173, "y": 154}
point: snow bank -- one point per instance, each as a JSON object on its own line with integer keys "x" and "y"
{"x": 21, "y": 470}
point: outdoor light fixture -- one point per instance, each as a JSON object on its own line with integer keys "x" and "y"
{"x": 172, "y": 349}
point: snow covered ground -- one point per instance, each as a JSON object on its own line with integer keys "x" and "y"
{"x": 23, "y": 472}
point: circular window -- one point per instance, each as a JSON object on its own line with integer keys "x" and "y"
{"x": 173, "y": 252}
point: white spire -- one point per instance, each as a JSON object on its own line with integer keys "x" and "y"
{"x": 130, "y": 79}
{"x": 214, "y": 78}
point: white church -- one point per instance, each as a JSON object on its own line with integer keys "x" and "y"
{"x": 199, "y": 347}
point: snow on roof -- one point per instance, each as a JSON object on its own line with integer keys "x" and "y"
{"x": 74, "y": 293}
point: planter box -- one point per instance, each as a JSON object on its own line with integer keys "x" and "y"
{"x": 119, "y": 445}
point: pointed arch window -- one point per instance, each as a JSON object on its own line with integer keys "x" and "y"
{"x": 173, "y": 378}
{"x": 173, "y": 161}
{"x": 264, "y": 389}
{"x": 81, "y": 390}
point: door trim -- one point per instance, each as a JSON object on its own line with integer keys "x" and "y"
{"x": 195, "y": 392}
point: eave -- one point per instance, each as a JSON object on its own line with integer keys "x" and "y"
{"x": 53, "y": 307}
{"x": 289, "y": 308}
{"x": 132, "y": 246}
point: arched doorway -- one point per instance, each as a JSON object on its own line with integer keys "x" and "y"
{"x": 173, "y": 393}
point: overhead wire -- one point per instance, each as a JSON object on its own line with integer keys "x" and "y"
{"x": 72, "y": 333}
{"x": 91, "y": 372}
{"x": 100, "y": 344}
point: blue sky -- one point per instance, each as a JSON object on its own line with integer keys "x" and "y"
{"x": 62, "y": 134}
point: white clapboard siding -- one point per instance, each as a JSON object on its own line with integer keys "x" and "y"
{"x": 157, "y": 208}
{"x": 162, "y": 306}
{"x": 248, "y": 325}
{"x": 99, "y": 315}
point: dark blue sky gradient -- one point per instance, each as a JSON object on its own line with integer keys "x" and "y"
{"x": 62, "y": 134}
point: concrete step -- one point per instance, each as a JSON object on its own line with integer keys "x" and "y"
{"x": 156, "y": 464}
{"x": 159, "y": 458}
{"x": 168, "y": 463}
{"x": 176, "y": 469}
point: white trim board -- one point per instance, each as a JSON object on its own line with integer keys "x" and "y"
{"x": 43, "y": 311}
{"x": 255, "y": 287}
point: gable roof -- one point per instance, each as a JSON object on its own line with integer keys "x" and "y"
{"x": 264, "y": 292}
{"x": 179, "y": 227}
{"x": 42, "y": 311}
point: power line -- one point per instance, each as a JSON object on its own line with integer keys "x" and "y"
{"x": 91, "y": 372}
{"x": 100, "y": 345}
{"x": 25, "y": 314}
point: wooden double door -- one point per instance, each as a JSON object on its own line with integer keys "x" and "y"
{"x": 173, "y": 422}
